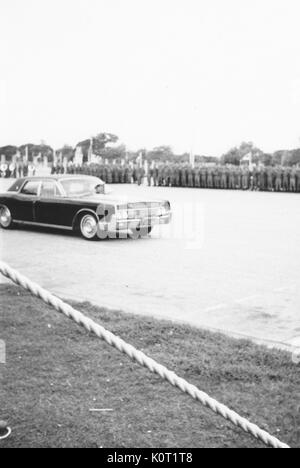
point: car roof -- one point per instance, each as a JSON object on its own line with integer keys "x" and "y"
{"x": 59, "y": 177}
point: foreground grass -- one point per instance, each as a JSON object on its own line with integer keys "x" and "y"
{"x": 56, "y": 373}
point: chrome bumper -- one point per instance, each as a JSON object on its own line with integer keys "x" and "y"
{"x": 132, "y": 225}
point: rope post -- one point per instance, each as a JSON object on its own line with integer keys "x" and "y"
{"x": 5, "y": 431}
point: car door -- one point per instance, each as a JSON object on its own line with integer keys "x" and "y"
{"x": 25, "y": 201}
{"x": 50, "y": 204}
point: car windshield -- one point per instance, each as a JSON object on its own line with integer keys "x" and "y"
{"x": 82, "y": 187}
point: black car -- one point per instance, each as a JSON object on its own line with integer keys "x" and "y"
{"x": 79, "y": 203}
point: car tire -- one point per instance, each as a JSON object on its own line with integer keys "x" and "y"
{"x": 88, "y": 226}
{"x": 6, "y": 220}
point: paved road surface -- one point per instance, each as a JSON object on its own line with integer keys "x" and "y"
{"x": 240, "y": 274}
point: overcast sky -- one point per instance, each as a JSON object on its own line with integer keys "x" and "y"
{"x": 207, "y": 73}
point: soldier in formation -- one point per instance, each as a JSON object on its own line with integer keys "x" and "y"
{"x": 273, "y": 179}
{"x": 109, "y": 173}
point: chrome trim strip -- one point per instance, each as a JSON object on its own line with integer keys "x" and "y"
{"x": 168, "y": 215}
{"x": 55, "y": 226}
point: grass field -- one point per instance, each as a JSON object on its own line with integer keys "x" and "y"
{"x": 56, "y": 373}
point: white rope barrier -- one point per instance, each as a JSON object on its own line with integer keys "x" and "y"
{"x": 140, "y": 357}
{"x": 7, "y": 434}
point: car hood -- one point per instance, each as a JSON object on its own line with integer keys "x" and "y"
{"x": 122, "y": 200}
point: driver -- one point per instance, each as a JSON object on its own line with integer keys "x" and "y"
{"x": 99, "y": 188}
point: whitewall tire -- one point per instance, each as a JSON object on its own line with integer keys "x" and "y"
{"x": 88, "y": 227}
{"x": 6, "y": 221}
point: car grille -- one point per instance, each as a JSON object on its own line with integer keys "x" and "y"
{"x": 143, "y": 210}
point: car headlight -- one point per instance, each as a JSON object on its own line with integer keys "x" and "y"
{"x": 122, "y": 215}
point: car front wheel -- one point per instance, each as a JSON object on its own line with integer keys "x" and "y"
{"x": 88, "y": 227}
{"x": 6, "y": 221}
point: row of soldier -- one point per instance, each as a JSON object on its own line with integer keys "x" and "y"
{"x": 111, "y": 173}
{"x": 175, "y": 175}
{"x": 184, "y": 175}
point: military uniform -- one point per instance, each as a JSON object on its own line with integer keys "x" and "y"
{"x": 71, "y": 168}
{"x": 184, "y": 176}
{"x": 238, "y": 178}
{"x": 168, "y": 175}
{"x": 134, "y": 177}
{"x": 160, "y": 178}
{"x": 98, "y": 171}
{"x": 150, "y": 176}
{"x": 254, "y": 179}
{"x": 130, "y": 175}
{"x": 270, "y": 179}
{"x": 140, "y": 175}
{"x": 197, "y": 177}
{"x": 190, "y": 177}
{"x": 177, "y": 175}
{"x": 109, "y": 176}
{"x": 286, "y": 180}
{"x": 120, "y": 174}
{"x": 203, "y": 177}
{"x": 298, "y": 179}
{"x": 155, "y": 176}
{"x": 223, "y": 178}
{"x": 262, "y": 179}
{"x": 245, "y": 179}
{"x": 278, "y": 180}
{"x": 20, "y": 168}
{"x": 231, "y": 181}
{"x": 210, "y": 178}
{"x": 293, "y": 180}
{"x": 217, "y": 178}
{"x": 172, "y": 176}
{"x": 114, "y": 174}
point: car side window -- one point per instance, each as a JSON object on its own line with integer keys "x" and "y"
{"x": 16, "y": 186}
{"x": 31, "y": 188}
{"x": 49, "y": 189}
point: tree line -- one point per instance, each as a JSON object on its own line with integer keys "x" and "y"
{"x": 107, "y": 146}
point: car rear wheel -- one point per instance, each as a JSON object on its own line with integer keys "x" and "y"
{"x": 6, "y": 221}
{"x": 88, "y": 227}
